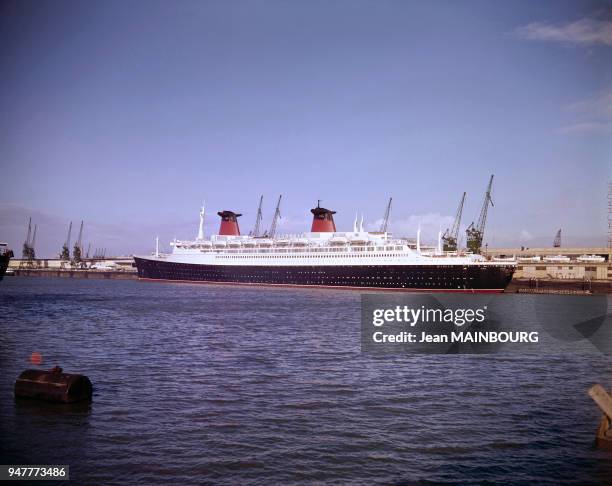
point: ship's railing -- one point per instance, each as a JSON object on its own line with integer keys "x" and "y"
{"x": 304, "y": 249}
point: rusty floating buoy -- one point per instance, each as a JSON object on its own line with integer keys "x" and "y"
{"x": 53, "y": 386}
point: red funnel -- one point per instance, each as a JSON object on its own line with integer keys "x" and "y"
{"x": 229, "y": 223}
{"x": 323, "y": 220}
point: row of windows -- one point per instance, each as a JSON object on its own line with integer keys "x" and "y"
{"x": 251, "y": 257}
{"x": 368, "y": 281}
{"x": 270, "y": 275}
{"x": 297, "y": 250}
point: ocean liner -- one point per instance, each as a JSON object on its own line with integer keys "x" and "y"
{"x": 323, "y": 257}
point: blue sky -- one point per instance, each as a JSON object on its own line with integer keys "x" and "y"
{"x": 129, "y": 114}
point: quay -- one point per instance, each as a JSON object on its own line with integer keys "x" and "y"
{"x": 110, "y": 268}
{"x": 108, "y": 274}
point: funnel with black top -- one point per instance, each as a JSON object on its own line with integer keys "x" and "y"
{"x": 229, "y": 223}
{"x": 322, "y": 220}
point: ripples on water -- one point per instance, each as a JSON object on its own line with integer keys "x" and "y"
{"x": 235, "y": 385}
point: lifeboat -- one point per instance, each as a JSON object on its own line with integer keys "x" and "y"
{"x": 557, "y": 259}
{"x": 503, "y": 259}
{"x": 591, "y": 259}
{"x": 219, "y": 244}
{"x": 282, "y": 242}
{"x": 234, "y": 243}
{"x": 358, "y": 240}
{"x": 300, "y": 242}
{"x": 338, "y": 240}
{"x": 264, "y": 242}
{"x": 531, "y": 259}
{"x": 249, "y": 243}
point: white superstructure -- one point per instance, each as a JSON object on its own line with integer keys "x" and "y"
{"x": 313, "y": 249}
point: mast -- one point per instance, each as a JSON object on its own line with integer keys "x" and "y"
{"x": 201, "y": 229}
{"x": 451, "y": 236}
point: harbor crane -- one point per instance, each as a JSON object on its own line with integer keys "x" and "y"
{"x": 257, "y": 227}
{"x": 557, "y": 241}
{"x": 450, "y": 238}
{"x": 26, "y": 244}
{"x": 275, "y": 219}
{"x": 77, "y": 250}
{"x": 65, "y": 254}
{"x": 32, "y": 255}
{"x": 475, "y": 232}
{"x": 385, "y": 223}
{"x": 28, "y": 253}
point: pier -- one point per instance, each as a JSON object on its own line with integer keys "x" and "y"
{"x": 49, "y": 272}
{"x": 110, "y": 268}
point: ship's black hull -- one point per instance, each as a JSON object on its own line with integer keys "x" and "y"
{"x": 4, "y": 261}
{"x": 448, "y": 278}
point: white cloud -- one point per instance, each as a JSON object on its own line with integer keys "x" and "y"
{"x": 291, "y": 224}
{"x": 430, "y": 223}
{"x": 526, "y": 235}
{"x": 584, "y": 32}
{"x": 598, "y": 105}
{"x": 592, "y": 115}
{"x": 586, "y": 128}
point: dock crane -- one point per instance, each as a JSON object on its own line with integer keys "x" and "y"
{"x": 475, "y": 233}
{"x": 65, "y": 254}
{"x": 26, "y": 244}
{"x": 257, "y": 227}
{"x": 28, "y": 253}
{"x": 450, "y": 238}
{"x": 77, "y": 250}
{"x": 557, "y": 242}
{"x": 32, "y": 255}
{"x": 275, "y": 219}
{"x": 385, "y": 224}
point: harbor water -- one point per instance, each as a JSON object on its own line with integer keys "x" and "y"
{"x": 234, "y": 385}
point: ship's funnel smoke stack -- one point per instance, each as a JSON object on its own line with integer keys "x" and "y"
{"x": 322, "y": 220}
{"x": 229, "y": 223}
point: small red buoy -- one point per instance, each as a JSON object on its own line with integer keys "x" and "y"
{"x": 36, "y": 358}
